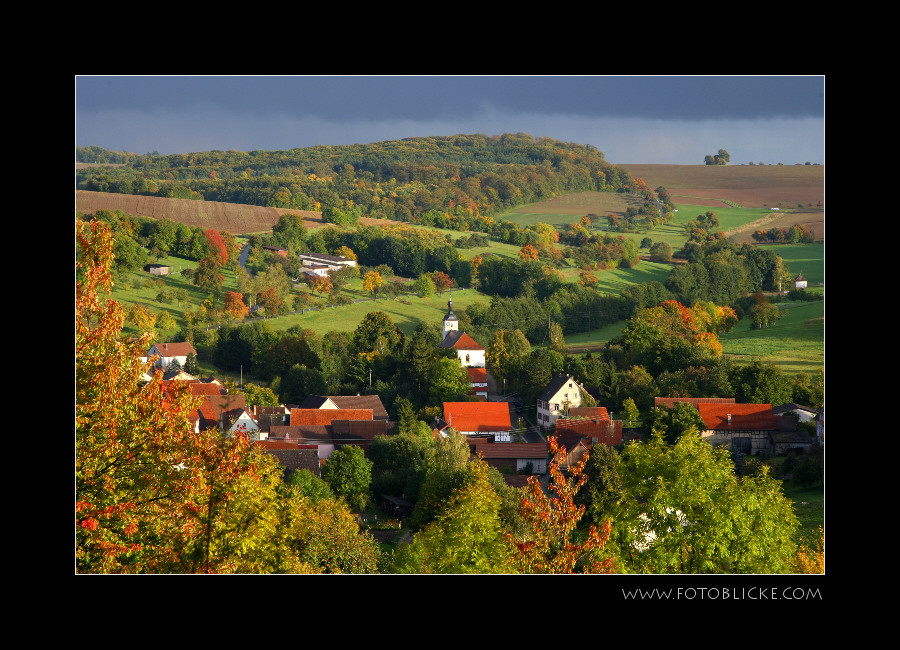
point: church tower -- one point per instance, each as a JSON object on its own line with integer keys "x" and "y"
{"x": 451, "y": 322}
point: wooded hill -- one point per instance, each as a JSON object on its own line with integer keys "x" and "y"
{"x": 464, "y": 177}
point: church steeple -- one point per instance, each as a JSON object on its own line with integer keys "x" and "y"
{"x": 451, "y": 322}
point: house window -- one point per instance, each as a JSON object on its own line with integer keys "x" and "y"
{"x": 467, "y": 358}
{"x": 556, "y": 407}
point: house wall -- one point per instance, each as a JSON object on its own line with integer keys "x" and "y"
{"x": 758, "y": 440}
{"x": 549, "y": 412}
{"x": 471, "y": 358}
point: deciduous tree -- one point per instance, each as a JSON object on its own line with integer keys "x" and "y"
{"x": 234, "y": 305}
{"x": 349, "y": 473}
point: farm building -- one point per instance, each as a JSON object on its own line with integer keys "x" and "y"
{"x": 800, "y": 282}
{"x": 157, "y": 269}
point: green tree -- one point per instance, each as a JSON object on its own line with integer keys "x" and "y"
{"x": 309, "y": 485}
{"x": 449, "y": 381}
{"x": 377, "y": 333}
{"x": 208, "y": 275}
{"x": 603, "y": 489}
{"x": 684, "y": 510}
{"x": 349, "y": 473}
{"x": 424, "y": 286}
{"x": 661, "y": 252}
{"x": 673, "y": 422}
{"x": 289, "y": 232}
{"x": 466, "y": 537}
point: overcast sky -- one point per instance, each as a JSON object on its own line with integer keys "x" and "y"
{"x": 632, "y": 119}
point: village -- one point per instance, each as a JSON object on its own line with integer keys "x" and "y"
{"x": 304, "y": 436}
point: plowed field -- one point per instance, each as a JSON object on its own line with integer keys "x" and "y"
{"x": 229, "y": 217}
{"x": 750, "y": 186}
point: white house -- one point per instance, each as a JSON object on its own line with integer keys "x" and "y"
{"x": 332, "y": 262}
{"x": 800, "y": 282}
{"x": 170, "y": 352}
{"x": 561, "y": 394}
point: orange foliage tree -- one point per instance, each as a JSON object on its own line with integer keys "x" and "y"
{"x": 552, "y": 547}
{"x": 234, "y": 305}
{"x": 529, "y": 252}
{"x": 151, "y": 495}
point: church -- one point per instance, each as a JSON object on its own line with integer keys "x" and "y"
{"x": 471, "y": 353}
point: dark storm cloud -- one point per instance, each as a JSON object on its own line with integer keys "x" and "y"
{"x": 459, "y": 97}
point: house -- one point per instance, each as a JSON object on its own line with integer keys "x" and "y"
{"x": 171, "y": 352}
{"x": 802, "y": 413}
{"x": 585, "y": 427}
{"x": 293, "y": 456}
{"x": 514, "y": 456}
{"x": 228, "y": 413}
{"x": 314, "y": 270}
{"x": 331, "y": 262}
{"x": 276, "y": 250}
{"x": 372, "y": 402}
{"x": 157, "y": 269}
{"x": 561, "y": 394}
{"x": 746, "y": 428}
{"x": 328, "y": 428}
{"x": 478, "y": 381}
{"x": 479, "y": 419}
{"x": 800, "y": 282}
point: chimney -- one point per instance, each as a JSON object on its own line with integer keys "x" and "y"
{"x": 165, "y": 346}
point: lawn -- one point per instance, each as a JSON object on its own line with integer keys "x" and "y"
{"x": 795, "y": 343}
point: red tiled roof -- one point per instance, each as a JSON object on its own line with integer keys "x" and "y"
{"x": 513, "y": 450}
{"x": 466, "y": 342}
{"x": 606, "y": 431}
{"x": 756, "y": 417}
{"x": 306, "y": 417}
{"x": 276, "y": 444}
{"x": 668, "y": 401}
{"x": 180, "y": 349}
{"x": 204, "y": 389}
{"x": 477, "y": 375}
{"x": 478, "y": 416}
{"x": 593, "y": 412}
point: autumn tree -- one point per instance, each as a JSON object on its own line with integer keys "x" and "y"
{"x": 372, "y": 282}
{"x": 217, "y": 250}
{"x": 441, "y": 281}
{"x": 528, "y": 252}
{"x": 151, "y": 495}
{"x": 234, "y": 305}
{"x": 270, "y": 301}
{"x": 552, "y": 545}
{"x": 319, "y": 284}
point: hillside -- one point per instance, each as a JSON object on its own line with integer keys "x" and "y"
{"x": 235, "y": 218}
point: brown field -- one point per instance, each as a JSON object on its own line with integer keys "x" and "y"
{"x": 235, "y": 218}
{"x": 810, "y": 219}
{"x": 750, "y": 186}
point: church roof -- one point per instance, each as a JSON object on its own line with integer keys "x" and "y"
{"x": 460, "y": 341}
